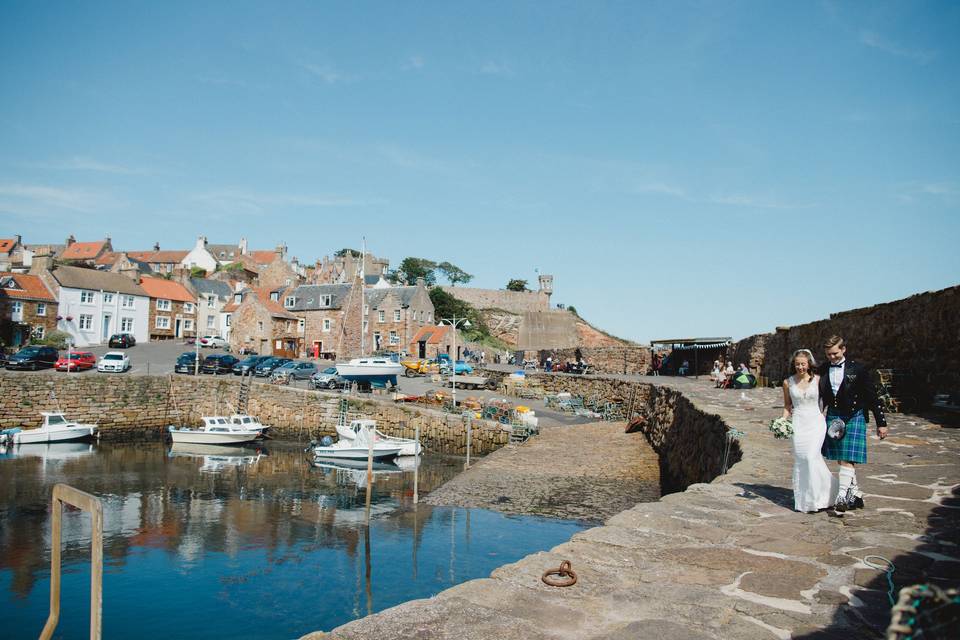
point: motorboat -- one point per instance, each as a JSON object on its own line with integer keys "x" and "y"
{"x": 249, "y": 422}
{"x": 215, "y": 430}
{"x": 55, "y": 428}
{"x": 408, "y": 446}
{"x": 371, "y": 370}
{"x": 356, "y": 449}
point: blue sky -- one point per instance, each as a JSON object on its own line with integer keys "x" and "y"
{"x": 708, "y": 168}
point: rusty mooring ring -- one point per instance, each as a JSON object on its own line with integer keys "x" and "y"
{"x": 567, "y": 576}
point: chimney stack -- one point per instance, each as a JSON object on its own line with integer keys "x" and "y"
{"x": 70, "y": 240}
{"x": 156, "y": 246}
{"x": 42, "y": 261}
{"x": 128, "y": 268}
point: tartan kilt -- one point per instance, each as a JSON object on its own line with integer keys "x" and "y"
{"x": 852, "y": 447}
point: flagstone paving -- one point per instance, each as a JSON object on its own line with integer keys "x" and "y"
{"x": 728, "y": 559}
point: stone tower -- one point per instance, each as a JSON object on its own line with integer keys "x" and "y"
{"x": 546, "y": 284}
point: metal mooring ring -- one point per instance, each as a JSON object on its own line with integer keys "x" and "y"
{"x": 567, "y": 576}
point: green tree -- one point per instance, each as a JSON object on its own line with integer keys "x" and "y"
{"x": 198, "y": 272}
{"x": 345, "y": 251}
{"x": 572, "y": 309}
{"x": 412, "y": 268}
{"x": 453, "y": 273}
{"x": 445, "y": 306}
{"x": 517, "y": 285}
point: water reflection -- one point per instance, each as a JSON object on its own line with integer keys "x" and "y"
{"x": 240, "y": 541}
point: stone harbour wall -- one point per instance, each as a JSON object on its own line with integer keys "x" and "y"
{"x": 692, "y": 445}
{"x": 919, "y": 335}
{"x": 138, "y": 407}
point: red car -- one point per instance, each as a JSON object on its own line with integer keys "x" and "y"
{"x": 77, "y": 360}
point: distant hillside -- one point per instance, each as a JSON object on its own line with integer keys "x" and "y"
{"x": 505, "y": 326}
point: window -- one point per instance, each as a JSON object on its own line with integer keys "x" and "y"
{"x": 301, "y": 325}
{"x": 163, "y": 322}
{"x": 188, "y": 307}
{"x": 163, "y": 305}
{"x": 17, "y": 307}
{"x": 289, "y": 302}
{"x": 429, "y": 316}
{"x": 86, "y": 297}
{"x": 394, "y": 338}
{"x": 326, "y": 301}
{"x": 396, "y": 315}
{"x": 126, "y": 325}
{"x": 85, "y": 323}
{"x": 188, "y": 324}
{"x": 228, "y": 319}
{"x": 126, "y": 302}
{"x": 41, "y": 308}
{"x": 288, "y": 326}
{"x": 326, "y": 324}
{"x": 260, "y": 326}
{"x": 108, "y": 298}
{"x": 237, "y": 298}
{"x": 275, "y": 296}
{"x": 212, "y": 302}
{"x": 210, "y": 321}
{"x": 366, "y": 309}
{"x": 365, "y": 326}
{"x": 381, "y": 316}
{"x": 37, "y": 332}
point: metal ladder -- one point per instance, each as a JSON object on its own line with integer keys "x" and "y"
{"x": 243, "y": 394}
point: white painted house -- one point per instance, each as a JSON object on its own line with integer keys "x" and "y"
{"x": 93, "y": 305}
{"x": 200, "y": 257}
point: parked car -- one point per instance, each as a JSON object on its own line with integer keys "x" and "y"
{"x": 462, "y": 368}
{"x": 266, "y": 367}
{"x": 186, "y": 363}
{"x": 327, "y": 379}
{"x": 248, "y": 364}
{"x": 76, "y": 361}
{"x": 121, "y": 341}
{"x": 218, "y": 363}
{"x": 33, "y": 357}
{"x": 214, "y": 342}
{"x": 114, "y": 361}
{"x": 294, "y": 370}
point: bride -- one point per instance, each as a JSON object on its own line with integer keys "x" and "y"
{"x": 813, "y": 484}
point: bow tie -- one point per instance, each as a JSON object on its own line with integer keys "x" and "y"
{"x": 837, "y": 366}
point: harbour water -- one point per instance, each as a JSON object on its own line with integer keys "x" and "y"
{"x": 239, "y": 543}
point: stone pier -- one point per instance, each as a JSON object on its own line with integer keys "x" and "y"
{"x": 728, "y": 559}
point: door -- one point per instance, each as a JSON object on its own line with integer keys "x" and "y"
{"x": 422, "y": 349}
{"x": 176, "y": 327}
{"x": 106, "y": 325}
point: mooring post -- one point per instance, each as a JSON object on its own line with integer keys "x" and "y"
{"x": 370, "y": 433}
{"x": 416, "y": 466}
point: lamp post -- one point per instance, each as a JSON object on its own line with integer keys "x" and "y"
{"x": 454, "y": 323}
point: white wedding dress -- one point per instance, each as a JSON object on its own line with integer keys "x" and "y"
{"x": 813, "y": 484}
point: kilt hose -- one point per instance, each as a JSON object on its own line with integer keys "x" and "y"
{"x": 852, "y": 447}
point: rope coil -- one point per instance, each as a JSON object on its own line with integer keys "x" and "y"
{"x": 567, "y": 577}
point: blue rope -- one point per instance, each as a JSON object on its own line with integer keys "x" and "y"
{"x": 888, "y": 569}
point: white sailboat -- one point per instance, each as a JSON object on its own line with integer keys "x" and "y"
{"x": 55, "y": 428}
{"x": 408, "y": 446}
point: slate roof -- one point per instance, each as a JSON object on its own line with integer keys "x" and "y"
{"x": 166, "y": 289}
{"x": 375, "y": 297}
{"x": 230, "y": 251}
{"x": 275, "y": 308}
{"x": 308, "y": 296}
{"x": 83, "y": 250}
{"x": 216, "y": 287}
{"x": 27, "y": 287}
{"x": 80, "y": 278}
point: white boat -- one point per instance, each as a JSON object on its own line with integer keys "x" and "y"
{"x": 371, "y": 369}
{"x": 249, "y": 422}
{"x": 55, "y": 428}
{"x": 356, "y": 449}
{"x": 408, "y": 446}
{"x": 215, "y": 430}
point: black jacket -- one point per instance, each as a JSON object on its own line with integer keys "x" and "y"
{"x": 856, "y": 392}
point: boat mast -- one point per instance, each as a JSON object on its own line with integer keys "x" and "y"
{"x": 363, "y": 314}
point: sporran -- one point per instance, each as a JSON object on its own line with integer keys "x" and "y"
{"x": 836, "y": 428}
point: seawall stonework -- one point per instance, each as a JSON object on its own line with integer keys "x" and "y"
{"x": 134, "y": 407}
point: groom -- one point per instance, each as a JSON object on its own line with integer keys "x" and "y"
{"x": 848, "y": 393}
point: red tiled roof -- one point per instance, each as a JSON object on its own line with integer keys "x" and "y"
{"x": 107, "y": 259}
{"x": 430, "y": 334}
{"x": 31, "y": 287}
{"x": 230, "y": 308}
{"x": 83, "y": 250}
{"x": 166, "y": 289}
{"x": 263, "y": 257}
{"x": 6, "y": 244}
{"x": 161, "y": 257}
{"x": 275, "y": 308}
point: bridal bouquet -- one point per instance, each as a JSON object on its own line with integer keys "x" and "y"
{"x": 782, "y": 428}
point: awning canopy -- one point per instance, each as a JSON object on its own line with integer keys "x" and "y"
{"x": 683, "y": 344}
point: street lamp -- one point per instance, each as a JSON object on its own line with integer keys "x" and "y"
{"x": 454, "y": 323}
